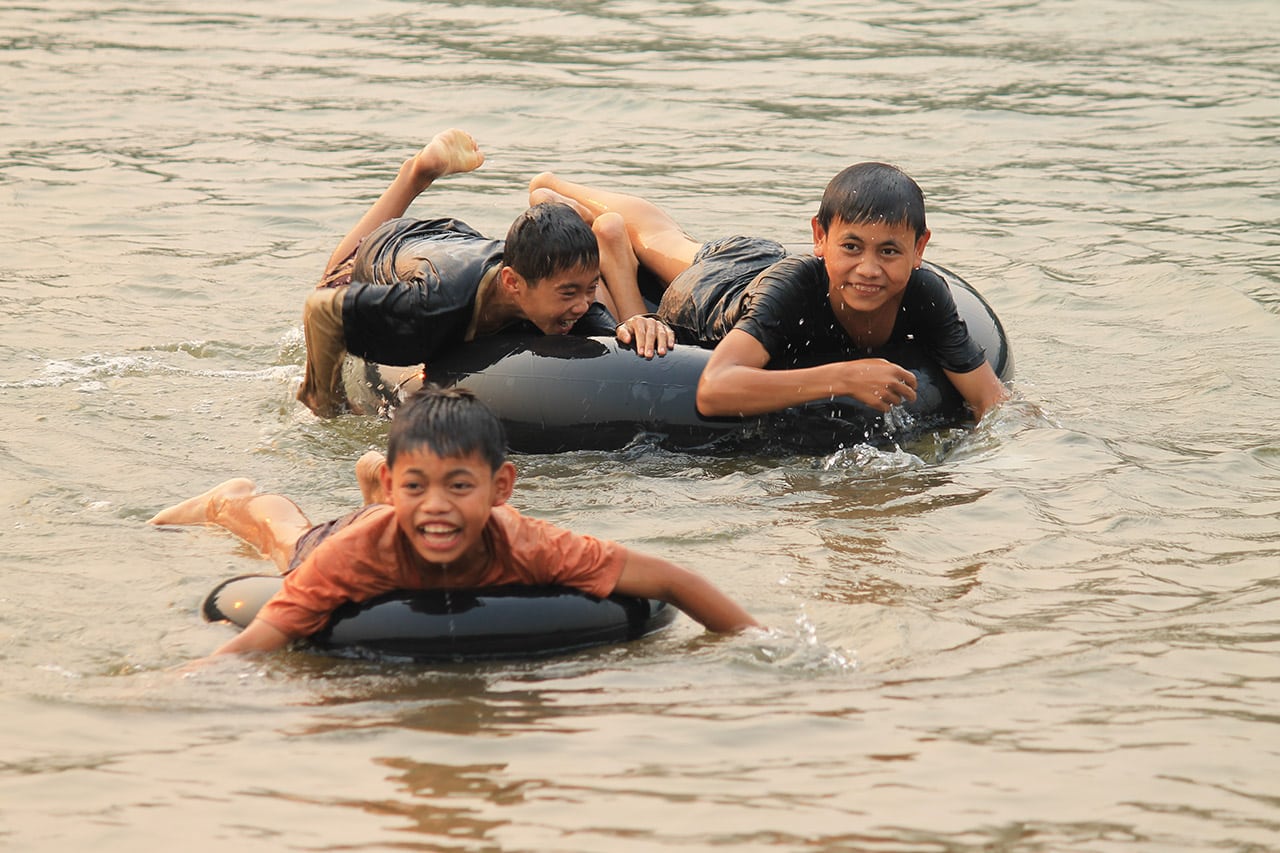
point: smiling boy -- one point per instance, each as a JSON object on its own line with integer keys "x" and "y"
{"x": 447, "y": 525}
{"x": 400, "y": 291}
{"x": 816, "y": 321}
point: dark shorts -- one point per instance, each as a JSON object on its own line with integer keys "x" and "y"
{"x": 699, "y": 303}
{"x": 740, "y": 253}
{"x": 311, "y": 540}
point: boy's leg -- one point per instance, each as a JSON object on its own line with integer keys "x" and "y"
{"x": 657, "y": 240}
{"x": 326, "y": 345}
{"x": 369, "y": 476}
{"x": 270, "y": 523}
{"x": 450, "y": 152}
{"x": 619, "y": 267}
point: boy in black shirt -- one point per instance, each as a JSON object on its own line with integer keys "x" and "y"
{"x": 400, "y": 291}
{"x": 814, "y": 321}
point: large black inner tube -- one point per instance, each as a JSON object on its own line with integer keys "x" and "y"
{"x": 456, "y": 625}
{"x": 566, "y": 393}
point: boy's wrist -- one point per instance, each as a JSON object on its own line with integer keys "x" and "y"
{"x": 650, "y": 315}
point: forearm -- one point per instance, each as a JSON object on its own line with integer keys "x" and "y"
{"x": 741, "y": 390}
{"x": 703, "y": 601}
{"x": 260, "y": 636}
{"x": 644, "y": 576}
{"x": 981, "y": 388}
{"x": 626, "y": 298}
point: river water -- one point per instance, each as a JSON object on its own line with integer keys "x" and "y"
{"x": 1057, "y": 632}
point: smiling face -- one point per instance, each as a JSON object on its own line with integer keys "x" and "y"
{"x": 556, "y": 302}
{"x": 868, "y": 263}
{"x": 442, "y": 503}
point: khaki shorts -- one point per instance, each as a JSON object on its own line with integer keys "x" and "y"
{"x": 322, "y": 390}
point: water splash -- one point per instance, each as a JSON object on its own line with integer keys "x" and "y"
{"x": 872, "y": 460}
{"x": 801, "y": 650}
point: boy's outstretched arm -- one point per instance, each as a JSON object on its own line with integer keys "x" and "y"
{"x": 981, "y": 388}
{"x": 645, "y": 576}
{"x": 258, "y": 637}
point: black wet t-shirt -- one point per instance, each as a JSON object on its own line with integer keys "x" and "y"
{"x": 784, "y": 304}
{"x": 413, "y": 291}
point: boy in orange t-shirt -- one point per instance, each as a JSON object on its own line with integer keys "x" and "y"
{"x": 445, "y": 524}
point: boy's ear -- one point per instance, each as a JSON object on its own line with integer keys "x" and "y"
{"x": 504, "y": 483}
{"x": 819, "y": 236}
{"x": 920, "y": 244}
{"x": 511, "y": 281}
{"x": 384, "y": 476}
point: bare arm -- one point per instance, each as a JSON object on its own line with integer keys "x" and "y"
{"x": 258, "y": 637}
{"x": 645, "y": 576}
{"x": 981, "y": 388}
{"x": 735, "y": 381}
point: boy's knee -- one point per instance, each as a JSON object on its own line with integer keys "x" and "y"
{"x": 611, "y": 236}
{"x": 610, "y": 227}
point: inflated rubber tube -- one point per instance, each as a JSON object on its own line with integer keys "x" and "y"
{"x": 457, "y": 625}
{"x": 561, "y": 393}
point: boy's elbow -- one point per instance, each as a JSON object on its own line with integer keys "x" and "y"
{"x": 711, "y": 399}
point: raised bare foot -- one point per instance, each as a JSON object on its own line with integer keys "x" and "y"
{"x": 369, "y": 476}
{"x": 449, "y": 152}
{"x": 201, "y": 508}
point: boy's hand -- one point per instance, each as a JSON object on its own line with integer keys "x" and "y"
{"x": 877, "y": 383}
{"x": 649, "y": 334}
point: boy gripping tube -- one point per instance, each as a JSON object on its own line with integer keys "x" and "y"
{"x": 819, "y": 322}
{"x": 445, "y": 525}
{"x": 400, "y": 291}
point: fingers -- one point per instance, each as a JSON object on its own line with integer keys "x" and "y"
{"x": 649, "y": 334}
{"x": 882, "y": 384}
{"x": 896, "y": 391}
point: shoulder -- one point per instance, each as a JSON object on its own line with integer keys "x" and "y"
{"x": 795, "y": 269}
{"x": 925, "y": 280}
{"x": 543, "y": 546}
{"x": 792, "y": 285}
{"x": 928, "y": 296}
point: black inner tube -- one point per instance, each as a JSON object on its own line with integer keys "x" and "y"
{"x": 557, "y": 394}
{"x": 457, "y": 625}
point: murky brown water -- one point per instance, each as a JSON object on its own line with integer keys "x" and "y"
{"x": 1059, "y": 634}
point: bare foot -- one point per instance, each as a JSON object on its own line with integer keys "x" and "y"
{"x": 541, "y": 195}
{"x": 202, "y": 508}
{"x": 449, "y": 152}
{"x": 369, "y": 475}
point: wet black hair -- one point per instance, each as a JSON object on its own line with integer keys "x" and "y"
{"x": 448, "y": 422}
{"x": 549, "y": 238}
{"x": 873, "y": 192}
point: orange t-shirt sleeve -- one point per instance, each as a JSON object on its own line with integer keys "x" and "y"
{"x": 538, "y": 552}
